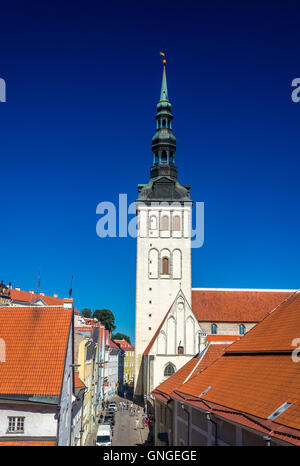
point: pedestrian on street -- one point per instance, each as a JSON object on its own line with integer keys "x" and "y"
{"x": 143, "y": 423}
{"x": 136, "y": 423}
{"x": 147, "y": 421}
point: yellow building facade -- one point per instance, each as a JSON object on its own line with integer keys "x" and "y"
{"x": 128, "y": 360}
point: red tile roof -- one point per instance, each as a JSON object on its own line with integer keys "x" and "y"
{"x": 223, "y": 338}
{"x": 112, "y": 344}
{"x": 77, "y": 381}
{"x": 192, "y": 368}
{"x": 257, "y": 374}
{"x": 28, "y": 443}
{"x": 27, "y": 297}
{"x": 235, "y": 305}
{"x": 124, "y": 344}
{"x": 276, "y": 331}
{"x": 36, "y": 341}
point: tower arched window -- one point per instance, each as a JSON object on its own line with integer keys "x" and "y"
{"x": 171, "y": 157}
{"x": 214, "y": 329}
{"x": 242, "y": 329}
{"x": 153, "y": 222}
{"x": 165, "y": 266}
{"x": 169, "y": 370}
{"x": 176, "y": 223}
{"x": 164, "y": 156}
{"x": 156, "y": 157}
{"x": 165, "y": 223}
{"x": 164, "y": 123}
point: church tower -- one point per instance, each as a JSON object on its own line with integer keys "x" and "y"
{"x": 164, "y": 211}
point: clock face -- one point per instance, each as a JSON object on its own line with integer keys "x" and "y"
{"x": 180, "y": 306}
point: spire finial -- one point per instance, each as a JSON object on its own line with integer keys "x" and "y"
{"x": 164, "y": 89}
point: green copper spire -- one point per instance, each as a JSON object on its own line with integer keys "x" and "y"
{"x": 164, "y": 87}
{"x": 163, "y": 184}
{"x": 164, "y": 142}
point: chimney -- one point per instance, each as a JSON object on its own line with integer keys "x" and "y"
{"x": 31, "y": 291}
{"x": 17, "y": 288}
{"x": 42, "y": 293}
{"x": 202, "y": 339}
{"x": 68, "y": 303}
{"x": 55, "y": 295}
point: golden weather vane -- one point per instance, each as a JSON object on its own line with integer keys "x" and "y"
{"x": 163, "y": 55}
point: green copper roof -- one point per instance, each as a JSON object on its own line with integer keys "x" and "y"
{"x": 164, "y": 87}
{"x": 163, "y": 184}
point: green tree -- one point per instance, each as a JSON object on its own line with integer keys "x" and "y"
{"x": 106, "y": 317}
{"x": 86, "y": 312}
{"x": 121, "y": 336}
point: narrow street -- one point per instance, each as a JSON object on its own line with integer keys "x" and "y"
{"x": 125, "y": 432}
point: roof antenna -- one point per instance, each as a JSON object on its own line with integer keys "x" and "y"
{"x": 71, "y": 287}
{"x": 38, "y": 283}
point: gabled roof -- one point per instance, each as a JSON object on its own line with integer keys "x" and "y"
{"x": 256, "y": 375}
{"x": 28, "y": 297}
{"x": 124, "y": 344}
{"x": 151, "y": 342}
{"x": 36, "y": 341}
{"x": 112, "y": 344}
{"x": 235, "y": 305}
{"x": 189, "y": 370}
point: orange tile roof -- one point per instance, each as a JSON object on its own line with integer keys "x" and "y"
{"x": 221, "y": 305}
{"x": 124, "y": 344}
{"x": 223, "y": 338}
{"x": 28, "y": 443}
{"x": 256, "y": 375}
{"x": 27, "y": 297}
{"x": 77, "y": 381}
{"x": 190, "y": 369}
{"x": 36, "y": 341}
{"x": 112, "y": 344}
{"x": 276, "y": 331}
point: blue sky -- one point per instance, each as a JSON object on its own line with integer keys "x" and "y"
{"x": 83, "y": 80}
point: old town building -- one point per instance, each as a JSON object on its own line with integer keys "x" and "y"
{"x": 36, "y": 378}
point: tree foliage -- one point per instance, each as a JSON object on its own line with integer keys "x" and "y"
{"x": 86, "y": 312}
{"x": 121, "y": 336}
{"x": 106, "y": 318}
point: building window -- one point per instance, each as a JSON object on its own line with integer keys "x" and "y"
{"x": 165, "y": 223}
{"x": 165, "y": 266}
{"x": 153, "y": 222}
{"x": 169, "y": 370}
{"x": 16, "y": 424}
{"x": 242, "y": 329}
{"x": 214, "y": 329}
{"x": 176, "y": 223}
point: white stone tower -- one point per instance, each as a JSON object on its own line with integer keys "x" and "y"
{"x": 164, "y": 211}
